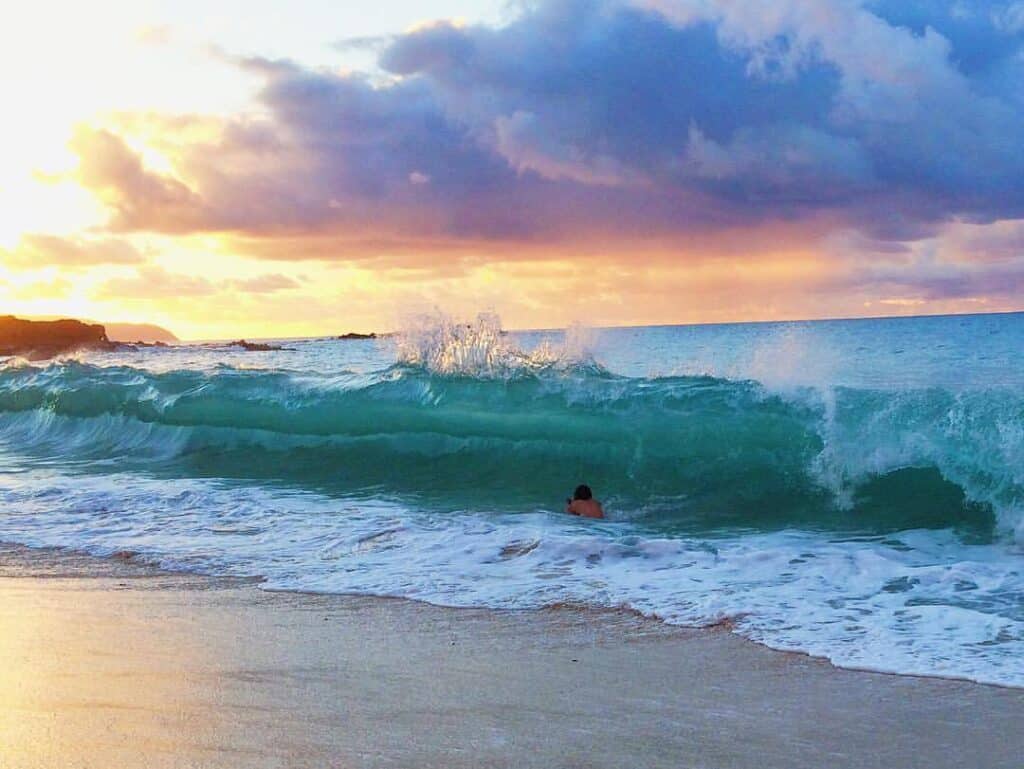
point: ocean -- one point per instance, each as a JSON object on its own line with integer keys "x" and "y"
{"x": 850, "y": 489}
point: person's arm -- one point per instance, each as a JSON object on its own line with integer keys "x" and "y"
{"x": 569, "y": 508}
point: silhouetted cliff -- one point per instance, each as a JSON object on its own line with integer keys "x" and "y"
{"x": 38, "y": 339}
{"x": 138, "y": 332}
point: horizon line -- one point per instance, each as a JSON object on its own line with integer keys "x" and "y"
{"x": 539, "y": 329}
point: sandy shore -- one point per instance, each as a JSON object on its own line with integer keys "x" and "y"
{"x": 107, "y": 665}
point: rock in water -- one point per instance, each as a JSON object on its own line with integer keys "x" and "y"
{"x": 257, "y": 346}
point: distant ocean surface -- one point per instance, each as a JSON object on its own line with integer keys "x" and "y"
{"x": 851, "y": 489}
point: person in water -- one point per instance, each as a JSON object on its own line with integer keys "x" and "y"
{"x": 583, "y": 503}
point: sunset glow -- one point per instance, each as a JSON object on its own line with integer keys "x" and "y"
{"x": 618, "y": 162}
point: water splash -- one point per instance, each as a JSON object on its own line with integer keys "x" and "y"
{"x": 441, "y": 344}
{"x": 790, "y": 359}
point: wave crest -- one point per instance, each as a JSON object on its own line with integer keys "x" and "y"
{"x": 693, "y": 450}
{"x": 440, "y": 344}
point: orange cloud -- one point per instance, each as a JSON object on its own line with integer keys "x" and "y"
{"x": 153, "y": 282}
{"x": 138, "y": 198}
{"x": 38, "y": 250}
{"x": 56, "y": 288}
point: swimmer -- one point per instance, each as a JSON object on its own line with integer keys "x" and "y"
{"x": 583, "y": 503}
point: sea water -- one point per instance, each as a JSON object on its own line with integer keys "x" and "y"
{"x": 851, "y": 489}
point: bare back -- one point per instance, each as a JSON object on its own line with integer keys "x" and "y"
{"x": 585, "y": 508}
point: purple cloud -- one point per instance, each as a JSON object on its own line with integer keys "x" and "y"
{"x": 601, "y": 121}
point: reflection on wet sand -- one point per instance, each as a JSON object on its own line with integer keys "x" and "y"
{"x": 130, "y": 669}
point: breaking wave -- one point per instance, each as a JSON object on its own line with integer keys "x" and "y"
{"x": 484, "y": 425}
{"x": 871, "y": 524}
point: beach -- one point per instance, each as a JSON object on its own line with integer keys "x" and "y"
{"x": 113, "y": 664}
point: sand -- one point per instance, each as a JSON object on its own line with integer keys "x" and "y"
{"x": 106, "y": 664}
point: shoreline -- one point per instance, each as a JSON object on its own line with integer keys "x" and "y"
{"x": 132, "y": 564}
{"x": 118, "y": 664}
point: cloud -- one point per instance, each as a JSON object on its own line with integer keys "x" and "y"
{"x": 264, "y": 284}
{"x": 962, "y": 261}
{"x": 139, "y": 199}
{"x": 154, "y": 282}
{"x": 37, "y": 250}
{"x": 56, "y": 288}
{"x": 362, "y": 42}
{"x": 600, "y": 124}
{"x": 1009, "y": 18}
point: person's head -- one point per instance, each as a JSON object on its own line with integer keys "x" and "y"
{"x": 583, "y": 492}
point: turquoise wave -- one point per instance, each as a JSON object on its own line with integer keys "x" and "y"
{"x": 675, "y": 452}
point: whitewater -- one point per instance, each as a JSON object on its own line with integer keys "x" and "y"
{"x": 849, "y": 489}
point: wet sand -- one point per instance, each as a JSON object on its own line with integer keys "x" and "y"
{"x": 106, "y": 664}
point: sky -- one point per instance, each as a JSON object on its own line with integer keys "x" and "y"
{"x": 272, "y": 169}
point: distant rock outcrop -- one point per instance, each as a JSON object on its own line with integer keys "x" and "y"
{"x": 41, "y": 339}
{"x": 354, "y": 335}
{"x": 139, "y": 333}
{"x": 256, "y": 346}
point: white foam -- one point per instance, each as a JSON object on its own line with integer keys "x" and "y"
{"x": 921, "y": 602}
{"x": 441, "y": 344}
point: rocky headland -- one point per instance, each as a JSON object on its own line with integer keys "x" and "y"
{"x": 42, "y": 339}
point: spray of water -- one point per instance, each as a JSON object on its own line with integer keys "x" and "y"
{"x": 480, "y": 348}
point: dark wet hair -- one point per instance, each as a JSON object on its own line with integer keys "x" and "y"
{"x": 583, "y": 492}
